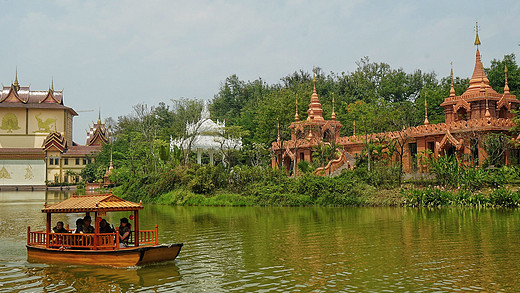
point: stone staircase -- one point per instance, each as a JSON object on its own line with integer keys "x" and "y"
{"x": 348, "y": 164}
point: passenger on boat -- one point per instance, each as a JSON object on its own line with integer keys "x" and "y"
{"x": 79, "y": 226}
{"x": 59, "y": 228}
{"x": 87, "y": 228}
{"x": 104, "y": 227}
{"x": 124, "y": 232}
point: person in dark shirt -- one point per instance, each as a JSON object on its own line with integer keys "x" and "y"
{"x": 104, "y": 227}
{"x": 124, "y": 232}
{"x": 59, "y": 228}
{"x": 87, "y": 228}
{"x": 79, "y": 226}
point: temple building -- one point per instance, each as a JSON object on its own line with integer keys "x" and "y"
{"x": 36, "y": 145}
{"x": 205, "y": 137}
{"x": 480, "y": 110}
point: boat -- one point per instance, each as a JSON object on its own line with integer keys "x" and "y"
{"x": 98, "y": 248}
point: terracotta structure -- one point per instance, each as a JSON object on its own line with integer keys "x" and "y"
{"x": 468, "y": 118}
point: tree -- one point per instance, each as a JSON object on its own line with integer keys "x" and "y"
{"x": 495, "y": 74}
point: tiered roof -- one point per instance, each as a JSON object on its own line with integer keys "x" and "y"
{"x": 16, "y": 96}
{"x": 98, "y": 134}
{"x": 54, "y": 141}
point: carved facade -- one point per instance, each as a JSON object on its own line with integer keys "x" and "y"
{"x": 468, "y": 118}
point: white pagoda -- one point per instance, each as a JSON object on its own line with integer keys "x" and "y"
{"x": 206, "y": 136}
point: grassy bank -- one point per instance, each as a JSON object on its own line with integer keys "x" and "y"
{"x": 257, "y": 186}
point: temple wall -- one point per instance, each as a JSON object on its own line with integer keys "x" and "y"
{"x": 22, "y": 172}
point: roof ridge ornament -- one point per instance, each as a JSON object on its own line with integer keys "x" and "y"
{"x": 477, "y": 39}
{"x": 426, "y": 122}
{"x": 452, "y": 89}
{"x": 296, "y": 116}
{"x": 16, "y": 84}
{"x": 506, "y": 87}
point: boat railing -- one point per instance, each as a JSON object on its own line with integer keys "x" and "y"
{"x": 89, "y": 241}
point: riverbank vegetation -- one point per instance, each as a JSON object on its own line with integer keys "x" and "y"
{"x": 375, "y": 97}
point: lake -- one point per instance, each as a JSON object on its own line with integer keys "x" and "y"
{"x": 283, "y": 249}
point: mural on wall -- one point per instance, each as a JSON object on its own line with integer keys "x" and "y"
{"x": 22, "y": 172}
{"x": 4, "y": 174}
{"x": 44, "y": 126}
{"x": 28, "y": 172}
{"x": 9, "y": 123}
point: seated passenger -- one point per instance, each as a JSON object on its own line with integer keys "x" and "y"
{"x": 87, "y": 228}
{"x": 124, "y": 233}
{"x": 59, "y": 228}
{"x": 104, "y": 227}
{"x": 79, "y": 226}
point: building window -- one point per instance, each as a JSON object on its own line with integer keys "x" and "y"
{"x": 56, "y": 161}
{"x": 66, "y": 161}
{"x": 51, "y": 161}
{"x": 84, "y": 161}
{"x": 77, "y": 161}
{"x": 89, "y": 160}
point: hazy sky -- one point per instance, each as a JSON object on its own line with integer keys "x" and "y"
{"x": 111, "y": 55}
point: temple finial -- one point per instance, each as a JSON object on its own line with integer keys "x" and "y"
{"x": 52, "y": 84}
{"x": 99, "y": 116}
{"x": 452, "y": 88}
{"x": 333, "y": 115}
{"x": 16, "y": 84}
{"x": 296, "y": 116}
{"x": 278, "y": 126}
{"x": 426, "y": 122}
{"x": 506, "y": 87}
{"x": 477, "y": 40}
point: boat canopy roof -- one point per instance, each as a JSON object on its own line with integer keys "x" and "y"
{"x": 93, "y": 203}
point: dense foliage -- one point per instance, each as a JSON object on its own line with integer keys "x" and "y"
{"x": 373, "y": 98}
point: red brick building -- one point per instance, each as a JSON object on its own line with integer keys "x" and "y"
{"x": 468, "y": 118}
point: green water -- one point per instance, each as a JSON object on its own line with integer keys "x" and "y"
{"x": 262, "y": 249}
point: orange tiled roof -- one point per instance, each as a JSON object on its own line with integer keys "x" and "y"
{"x": 92, "y": 203}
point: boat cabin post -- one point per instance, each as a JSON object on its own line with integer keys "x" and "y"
{"x": 136, "y": 222}
{"x": 48, "y": 230}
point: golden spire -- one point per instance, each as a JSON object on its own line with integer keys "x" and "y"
{"x": 52, "y": 84}
{"x": 314, "y": 112}
{"x": 296, "y": 116}
{"x": 506, "y": 87}
{"x": 99, "y": 117}
{"x": 16, "y": 84}
{"x": 314, "y": 78}
{"x": 452, "y": 89}
{"x": 426, "y": 122}
{"x": 278, "y": 126}
{"x": 477, "y": 40}
{"x": 333, "y": 116}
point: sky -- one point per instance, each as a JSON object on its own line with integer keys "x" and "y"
{"x": 110, "y": 55}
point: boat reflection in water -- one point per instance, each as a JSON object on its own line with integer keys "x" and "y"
{"x": 104, "y": 279}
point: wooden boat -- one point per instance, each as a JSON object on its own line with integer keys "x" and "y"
{"x": 98, "y": 248}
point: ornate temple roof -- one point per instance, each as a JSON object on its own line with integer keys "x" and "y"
{"x": 315, "y": 113}
{"x": 16, "y": 96}
{"x": 97, "y": 134}
{"x": 54, "y": 141}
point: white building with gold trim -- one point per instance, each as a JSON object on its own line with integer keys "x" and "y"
{"x": 36, "y": 145}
